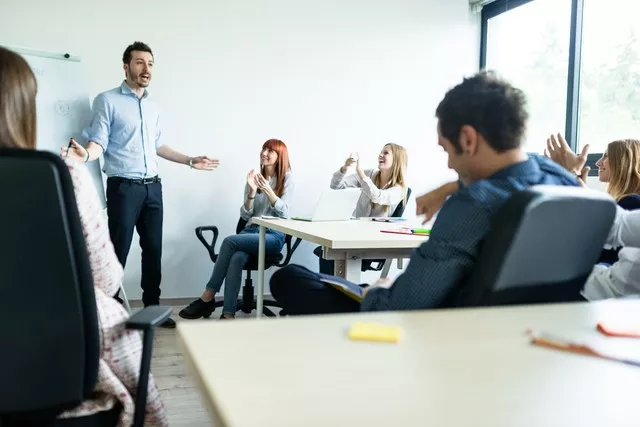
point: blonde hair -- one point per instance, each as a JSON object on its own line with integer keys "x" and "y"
{"x": 624, "y": 168}
{"x": 398, "y": 172}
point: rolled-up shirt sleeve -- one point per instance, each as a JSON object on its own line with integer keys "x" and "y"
{"x": 100, "y": 124}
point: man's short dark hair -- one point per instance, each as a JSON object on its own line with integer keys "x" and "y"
{"x": 489, "y": 104}
{"x": 126, "y": 57}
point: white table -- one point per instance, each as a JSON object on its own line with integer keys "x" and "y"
{"x": 347, "y": 242}
{"x": 452, "y": 368}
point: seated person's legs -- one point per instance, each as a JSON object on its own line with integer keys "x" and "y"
{"x": 234, "y": 252}
{"x": 325, "y": 265}
{"x": 300, "y": 291}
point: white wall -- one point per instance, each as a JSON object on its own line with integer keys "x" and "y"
{"x": 326, "y": 77}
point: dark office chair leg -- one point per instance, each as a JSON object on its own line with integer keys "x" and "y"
{"x": 247, "y": 295}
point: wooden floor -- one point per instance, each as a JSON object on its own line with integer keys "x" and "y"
{"x": 178, "y": 389}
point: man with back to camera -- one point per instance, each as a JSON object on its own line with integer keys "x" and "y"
{"x": 481, "y": 126}
{"x": 125, "y": 126}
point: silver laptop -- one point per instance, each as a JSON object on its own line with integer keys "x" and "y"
{"x": 334, "y": 205}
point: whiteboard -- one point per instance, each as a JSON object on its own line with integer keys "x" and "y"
{"x": 63, "y": 107}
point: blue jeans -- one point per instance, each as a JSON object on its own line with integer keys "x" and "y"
{"x": 234, "y": 253}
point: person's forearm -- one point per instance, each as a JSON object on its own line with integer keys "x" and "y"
{"x": 248, "y": 201}
{"x": 172, "y": 155}
{"x": 272, "y": 196}
{"x": 94, "y": 151}
{"x": 450, "y": 187}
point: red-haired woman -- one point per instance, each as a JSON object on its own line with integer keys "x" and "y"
{"x": 266, "y": 193}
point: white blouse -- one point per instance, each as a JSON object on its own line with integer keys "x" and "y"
{"x": 387, "y": 197}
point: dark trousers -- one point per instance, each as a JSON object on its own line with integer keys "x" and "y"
{"x": 134, "y": 205}
{"x": 300, "y": 291}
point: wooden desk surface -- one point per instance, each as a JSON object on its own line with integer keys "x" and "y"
{"x": 470, "y": 367}
{"x": 352, "y": 234}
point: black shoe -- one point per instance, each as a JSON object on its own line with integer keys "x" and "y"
{"x": 169, "y": 324}
{"x": 227, "y": 318}
{"x": 198, "y": 309}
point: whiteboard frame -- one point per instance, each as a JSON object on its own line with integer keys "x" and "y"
{"x": 54, "y": 55}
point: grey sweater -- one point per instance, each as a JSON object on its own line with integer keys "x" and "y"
{"x": 261, "y": 205}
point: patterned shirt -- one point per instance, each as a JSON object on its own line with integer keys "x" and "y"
{"x": 120, "y": 349}
{"x": 439, "y": 265}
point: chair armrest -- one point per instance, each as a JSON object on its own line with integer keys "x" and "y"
{"x": 290, "y": 250}
{"x": 146, "y": 321}
{"x": 148, "y": 317}
{"x": 211, "y": 247}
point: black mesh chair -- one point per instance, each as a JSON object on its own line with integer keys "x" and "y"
{"x": 247, "y": 303}
{"x": 326, "y": 266}
{"x": 51, "y": 342}
{"x": 541, "y": 248}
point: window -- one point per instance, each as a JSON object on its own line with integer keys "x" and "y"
{"x": 529, "y": 46}
{"x": 610, "y": 82}
{"x": 577, "y": 60}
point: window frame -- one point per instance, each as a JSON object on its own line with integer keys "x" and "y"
{"x": 572, "y": 127}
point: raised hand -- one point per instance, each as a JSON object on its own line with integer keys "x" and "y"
{"x": 74, "y": 151}
{"x": 204, "y": 163}
{"x": 251, "y": 181}
{"x": 559, "y": 151}
{"x": 262, "y": 183}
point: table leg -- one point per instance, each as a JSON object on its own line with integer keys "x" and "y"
{"x": 261, "y": 255}
{"x": 348, "y": 268}
{"x": 386, "y": 268}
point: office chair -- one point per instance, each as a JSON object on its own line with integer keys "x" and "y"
{"x": 247, "y": 303}
{"x": 51, "y": 342}
{"x": 367, "y": 264}
{"x": 541, "y": 248}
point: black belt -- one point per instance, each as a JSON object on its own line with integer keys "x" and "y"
{"x": 142, "y": 181}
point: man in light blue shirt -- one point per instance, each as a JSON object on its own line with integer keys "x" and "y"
{"x": 125, "y": 126}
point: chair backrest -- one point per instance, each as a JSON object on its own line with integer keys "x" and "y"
{"x": 541, "y": 248}
{"x": 399, "y": 210}
{"x": 50, "y": 337}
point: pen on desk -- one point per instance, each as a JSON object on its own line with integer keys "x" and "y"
{"x": 421, "y": 230}
{"x": 556, "y": 343}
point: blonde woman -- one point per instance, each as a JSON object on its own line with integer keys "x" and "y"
{"x": 619, "y": 168}
{"x": 383, "y": 188}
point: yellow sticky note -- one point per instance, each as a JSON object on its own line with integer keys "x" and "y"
{"x": 373, "y": 332}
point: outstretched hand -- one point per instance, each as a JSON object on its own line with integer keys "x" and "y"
{"x": 204, "y": 163}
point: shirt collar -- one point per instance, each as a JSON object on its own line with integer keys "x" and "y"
{"x": 126, "y": 90}
{"x": 528, "y": 167}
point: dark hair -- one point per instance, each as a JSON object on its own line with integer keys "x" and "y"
{"x": 18, "y": 89}
{"x": 489, "y": 104}
{"x": 126, "y": 56}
